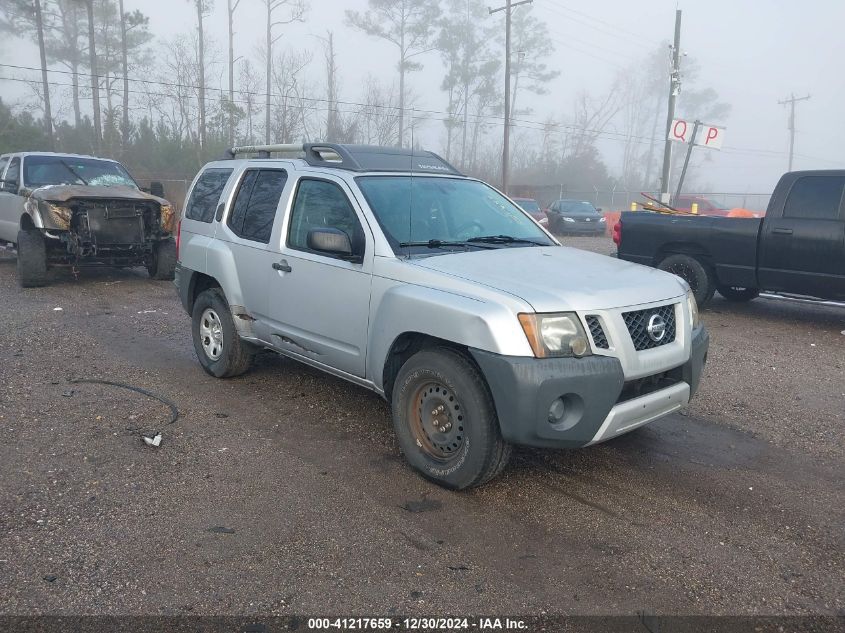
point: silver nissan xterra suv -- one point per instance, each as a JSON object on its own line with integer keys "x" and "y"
{"x": 390, "y": 269}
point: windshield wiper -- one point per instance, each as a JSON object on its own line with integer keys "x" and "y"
{"x": 504, "y": 239}
{"x": 73, "y": 171}
{"x": 440, "y": 244}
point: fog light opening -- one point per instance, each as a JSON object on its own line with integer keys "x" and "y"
{"x": 557, "y": 411}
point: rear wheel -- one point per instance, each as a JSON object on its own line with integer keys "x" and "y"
{"x": 737, "y": 293}
{"x": 445, "y": 420}
{"x": 163, "y": 265}
{"x": 692, "y": 271}
{"x": 219, "y": 348}
{"x": 32, "y": 259}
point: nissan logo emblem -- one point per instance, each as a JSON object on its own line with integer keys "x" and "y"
{"x": 656, "y": 328}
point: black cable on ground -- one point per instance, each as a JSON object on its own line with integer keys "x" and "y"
{"x": 174, "y": 411}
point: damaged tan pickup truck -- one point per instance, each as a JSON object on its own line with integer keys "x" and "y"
{"x": 70, "y": 210}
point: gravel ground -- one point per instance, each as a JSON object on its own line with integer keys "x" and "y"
{"x": 282, "y": 491}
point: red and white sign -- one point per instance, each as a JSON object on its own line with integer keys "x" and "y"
{"x": 708, "y": 135}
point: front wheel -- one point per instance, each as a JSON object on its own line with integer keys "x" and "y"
{"x": 219, "y": 348}
{"x": 163, "y": 264}
{"x": 445, "y": 420}
{"x": 32, "y": 259}
{"x": 738, "y": 294}
{"x": 692, "y": 271}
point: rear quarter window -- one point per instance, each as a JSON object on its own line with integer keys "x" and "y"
{"x": 205, "y": 195}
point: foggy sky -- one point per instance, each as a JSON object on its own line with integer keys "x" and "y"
{"x": 752, "y": 52}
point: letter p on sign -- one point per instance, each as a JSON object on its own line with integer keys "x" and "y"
{"x": 712, "y": 137}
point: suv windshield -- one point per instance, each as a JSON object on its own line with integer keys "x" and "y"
{"x": 434, "y": 212}
{"x": 574, "y": 207}
{"x": 68, "y": 170}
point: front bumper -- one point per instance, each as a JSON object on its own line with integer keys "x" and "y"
{"x": 592, "y": 390}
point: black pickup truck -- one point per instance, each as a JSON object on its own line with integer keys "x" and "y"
{"x": 798, "y": 248}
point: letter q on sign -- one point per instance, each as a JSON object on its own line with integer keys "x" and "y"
{"x": 679, "y": 131}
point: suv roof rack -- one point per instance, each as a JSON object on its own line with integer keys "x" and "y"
{"x": 355, "y": 157}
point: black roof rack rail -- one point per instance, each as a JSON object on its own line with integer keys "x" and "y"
{"x": 356, "y": 157}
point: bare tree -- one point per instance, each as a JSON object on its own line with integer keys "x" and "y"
{"x": 250, "y": 83}
{"x": 203, "y": 8}
{"x": 95, "y": 78}
{"x": 407, "y": 24}
{"x": 295, "y": 13}
{"x": 231, "y": 7}
{"x": 378, "y": 115}
{"x": 289, "y": 112}
{"x": 331, "y": 86}
{"x": 28, "y": 15}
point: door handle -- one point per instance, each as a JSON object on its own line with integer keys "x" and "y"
{"x": 282, "y": 266}
{"x": 780, "y": 231}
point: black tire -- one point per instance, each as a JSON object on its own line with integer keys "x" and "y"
{"x": 234, "y": 356}
{"x": 696, "y": 274}
{"x": 32, "y": 259}
{"x": 738, "y": 294}
{"x": 163, "y": 265}
{"x": 471, "y": 452}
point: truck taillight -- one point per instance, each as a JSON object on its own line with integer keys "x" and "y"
{"x": 617, "y": 233}
{"x": 178, "y": 238}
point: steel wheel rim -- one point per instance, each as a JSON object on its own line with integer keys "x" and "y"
{"x": 437, "y": 421}
{"x": 211, "y": 334}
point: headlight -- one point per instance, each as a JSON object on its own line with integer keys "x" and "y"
{"x": 695, "y": 321}
{"x": 568, "y": 220}
{"x": 167, "y": 218}
{"x": 59, "y": 216}
{"x": 555, "y": 335}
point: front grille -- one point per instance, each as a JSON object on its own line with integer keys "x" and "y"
{"x": 597, "y": 332}
{"x": 638, "y": 326}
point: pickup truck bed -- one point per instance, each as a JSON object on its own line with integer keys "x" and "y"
{"x": 797, "y": 248}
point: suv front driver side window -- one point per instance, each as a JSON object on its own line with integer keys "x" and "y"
{"x": 322, "y": 204}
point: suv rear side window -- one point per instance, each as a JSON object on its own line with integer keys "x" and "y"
{"x": 322, "y": 204}
{"x": 206, "y": 194}
{"x": 254, "y": 209}
{"x": 815, "y": 197}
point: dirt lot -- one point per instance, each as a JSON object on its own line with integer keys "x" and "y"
{"x": 282, "y": 491}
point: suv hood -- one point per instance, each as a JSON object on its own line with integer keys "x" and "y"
{"x": 64, "y": 193}
{"x": 558, "y": 278}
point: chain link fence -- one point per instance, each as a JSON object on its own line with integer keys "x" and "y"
{"x": 621, "y": 199}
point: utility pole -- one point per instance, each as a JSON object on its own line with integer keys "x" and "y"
{"x": 674, "y": 89}
{"x": 695, "y": 127}
{"x": 509, "y": 6}
{"x": 791, "y": 101}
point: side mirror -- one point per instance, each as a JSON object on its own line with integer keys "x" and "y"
{"x": 598, "y": 210}
{"x": 157, "y": 189}
{"x": 330, "y": 240}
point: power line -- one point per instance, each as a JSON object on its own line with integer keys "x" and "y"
{"x": 615, "y": 27}
{"x": 418, "y": 114}
{"x": 558, "y": 10}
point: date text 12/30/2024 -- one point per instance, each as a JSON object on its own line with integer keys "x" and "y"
{"x": 416, "y": 624}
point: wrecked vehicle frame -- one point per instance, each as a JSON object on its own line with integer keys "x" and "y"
{"x": 118, "y": 226}
{"x": 102, "y": 217}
